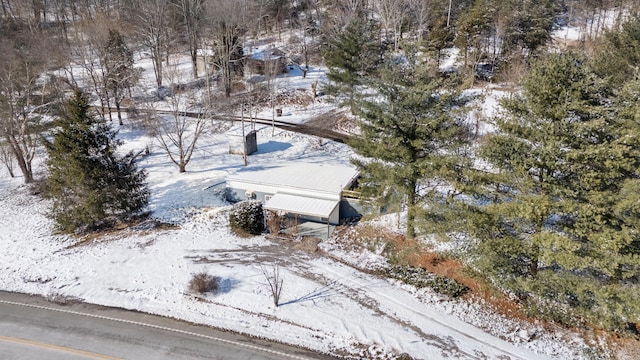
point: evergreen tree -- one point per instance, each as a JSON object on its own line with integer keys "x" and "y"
{"x": 352, "y": 55}
{"x": 472, "y": 27}
{"x": 618, "y": 54}
{"x": 409, "y": 135}
{"x": 119, "y": 73}
{"x": 530, "y": 24}
{"x": 90, "y": 184}
{"x": 556, "y": 217}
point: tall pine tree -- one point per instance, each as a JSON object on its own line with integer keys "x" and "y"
{"x": 352, "y": 56}
{"x": 90, "y": 184}
{"x": 410, "y": 135}
{"x": 556, "y": 218}
{"x": 617, "y": 53}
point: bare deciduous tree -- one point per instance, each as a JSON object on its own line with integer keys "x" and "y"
{"x": 6, "y": 157}
{"x": 177, "y": 133}
{"x": 119, "y": 72}
{"x": 394, "y": 15}
{"x": 274, "y": 280}
{"x": 151, "y": 21}
{"x": 227, "y": 21}
{"x": 89, "y": 52}
{"x": 22, "y": 94}
{"x": 341, "y": 12}
{"x": 192, "y": 14}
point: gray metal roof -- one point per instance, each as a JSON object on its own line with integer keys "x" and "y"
{"x": 312, "y": 176}
{"x": 301, "y": 205}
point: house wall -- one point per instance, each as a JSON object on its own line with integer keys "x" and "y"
{"x": 235, "y": 195}
{"x": 350, "y": 209}
{"x": 269, "y": 67}
{"x": 346, "y": 209}
{"x": 334, "y": 219}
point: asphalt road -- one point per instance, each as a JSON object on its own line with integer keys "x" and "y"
{"x": 33, "y": 328}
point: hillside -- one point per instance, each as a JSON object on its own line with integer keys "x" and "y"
{"x": 337, "y": 298}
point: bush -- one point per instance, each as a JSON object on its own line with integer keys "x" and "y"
{"x": 421, "y": 278}
{"x": 274, "y": 222}
{"x": 576, "y": 300}
{"x": 203, "y": 283}
{"x": 247, "y": 217}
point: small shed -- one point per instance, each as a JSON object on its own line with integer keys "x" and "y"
{"x": 308, "y": 191}
{"x": 246, "y": 146}
{"x": 270, "y": 62}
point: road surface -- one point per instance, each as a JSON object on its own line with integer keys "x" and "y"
{"x": 33, "y": 328}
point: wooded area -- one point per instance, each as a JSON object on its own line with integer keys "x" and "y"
{"x": 549, "y": 204}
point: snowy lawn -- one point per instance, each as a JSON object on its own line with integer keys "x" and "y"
{"x": 325, "y": 305}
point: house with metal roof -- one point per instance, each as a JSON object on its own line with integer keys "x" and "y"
{"x": 305, "y": 191}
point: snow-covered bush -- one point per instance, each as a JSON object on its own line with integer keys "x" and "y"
{"x": 203, "y": 283}
{"x": 247, "y": 217}
{"x": 421, "y": 278}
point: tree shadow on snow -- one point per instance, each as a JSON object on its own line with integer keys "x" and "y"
{"x": 316, "y": 294}
{"x": 272, "y": 146}
{"x": 225, "y": 285}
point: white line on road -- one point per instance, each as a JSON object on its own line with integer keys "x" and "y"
{"x": 184, "y": 332}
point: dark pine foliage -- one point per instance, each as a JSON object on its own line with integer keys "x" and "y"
{"x": 247, "y": 217}
{"x": 90, "y": 184}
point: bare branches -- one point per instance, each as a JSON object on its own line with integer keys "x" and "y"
{"x": 6, "y": 157}
{"x": 20, "y": 107}
{"x": 178, "y": 134}
{"x": 228, "y": 25}
{"x": 274, "y": 280}
{"x": 151, "y": 22}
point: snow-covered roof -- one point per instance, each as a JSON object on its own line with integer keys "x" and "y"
{"x": 301, "y": 205}
{"x": 312, "y": 176}
{"x": 268, "y": 54}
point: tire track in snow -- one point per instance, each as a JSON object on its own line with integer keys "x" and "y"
{"x": 447, "y": 348}
{"x": 370, "y": 300}
{"x": 416, "y": 312}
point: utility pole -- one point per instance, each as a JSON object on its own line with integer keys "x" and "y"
{"x": 244, "y": 139}
{"x": 449, "y": 14}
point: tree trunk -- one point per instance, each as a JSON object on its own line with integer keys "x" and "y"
{"x": 23, "y": 161}
{"x": 10, "y": 170}
{"x": 158, "y": 63}
{"x": 411, "y": 205}
{"x": 117, "y": 101}
{"x": 227, "y": 80}
{"x": 194, "y": 62}
{"x": 106, "y": 99}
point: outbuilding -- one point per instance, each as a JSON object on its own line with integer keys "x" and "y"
{"x": 304, "y": 191}
{"x": 269, "y": 62}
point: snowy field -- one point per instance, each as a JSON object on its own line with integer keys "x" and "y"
{"x": 326, "y": 305}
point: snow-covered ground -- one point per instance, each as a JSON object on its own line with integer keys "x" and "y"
{"x": 326, "y": 305}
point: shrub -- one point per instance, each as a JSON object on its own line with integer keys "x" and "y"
{"x": 421, "y": 278}
{"x": 203, "y": 283}
{"x": 274, "y": 222}
{"x": 247, "y": 217}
